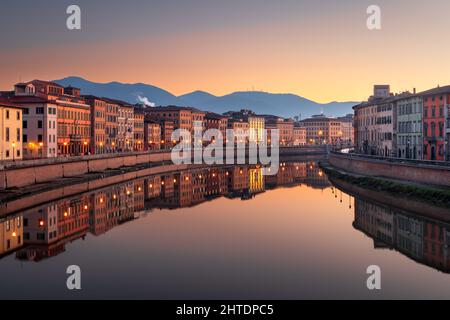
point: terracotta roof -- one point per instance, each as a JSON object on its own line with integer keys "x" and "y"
{"x": 119, "y": 102}
{"x": 438, "y": 90}
{"x": 49, "y": 83}
{"x": 28, "y": 99}
{"x": 5, "y": 103}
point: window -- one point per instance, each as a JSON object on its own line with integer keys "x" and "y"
{"x": 18, "y": 115}
{"x": 39, "y": 124}
{"x": 25, "y": 124}
{"x": 40, "y": 138}
{"x": 7, "y": 114}
{"x": 39, "y": 110}
{"x": 7, "y": 135}
{"x": 25, "y": 138}
{"x": 18, "y": 135}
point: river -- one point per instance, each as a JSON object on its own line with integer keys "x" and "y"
{"x": 224, "y": 233}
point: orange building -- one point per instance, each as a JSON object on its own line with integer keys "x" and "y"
{"x": 299, "y": 136}
{"x": 138, "y": 129}
{"x": 285, "y": 127}
{"x": 218, "y": 122}
{"x": 112, "y": 125}
{"x": 152, "y": 135}
{"x": 74, "y": 123}
{"x": 125, "y": 137}
{"x": 240, "y": 129}
{"x": 167, "y": 128}
{"x": 98, "y": 124}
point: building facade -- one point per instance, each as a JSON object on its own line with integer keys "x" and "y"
{"x": 98, "y": 124}
{"x": 374, "y": 124}
{"x": 125, "y": 134}
{"x": 39, "y": 117}
{"x": 436, "y": 104}
{"x": 285, "y": 129}
{"x": 408, "y": 137}
{"x": 11, "y": 135}
{"x": 74, "y": 123}
{"x": 218, "y": 122}
{"x": 111, "y": 126}
{"x": 321, "y": 129}
{"x": 299, "y": 135}
{"x": 152, "y": 135}
{"x": 138, "y": 128}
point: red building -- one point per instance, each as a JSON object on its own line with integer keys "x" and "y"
{"x": 435, "y": 111}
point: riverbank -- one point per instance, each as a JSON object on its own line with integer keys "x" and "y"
{"x": 420, "y": 198}
{"x": 17, "y": 199}
{"x": 26, "y": 173}
{"x": 421, "y": 172}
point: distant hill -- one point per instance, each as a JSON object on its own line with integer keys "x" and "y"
{"x": 285, "y": 105}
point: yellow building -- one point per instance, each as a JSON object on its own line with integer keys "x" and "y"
{"x": 11, "y": 234}
{"x": 11, "y": 132}
{"x": 256, "y": 180}
{"x": 256, "y": 128}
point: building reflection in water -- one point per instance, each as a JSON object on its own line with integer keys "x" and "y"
{"x": 44, "y": 231}
{"x": 422, "y": 239}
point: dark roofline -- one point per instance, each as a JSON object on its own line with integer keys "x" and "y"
{"x": 119, "y": 102}
{"x": 438, "y": 90}
{"x": 4, "y": 103}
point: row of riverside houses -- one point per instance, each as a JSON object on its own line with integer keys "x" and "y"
{"x": 407, "y": 125}
{"x": 42, "y": 119}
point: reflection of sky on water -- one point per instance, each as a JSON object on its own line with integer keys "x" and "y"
{"x": 228, "y": 233}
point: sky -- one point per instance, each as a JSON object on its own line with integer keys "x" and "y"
{"x": 319, "y": 49}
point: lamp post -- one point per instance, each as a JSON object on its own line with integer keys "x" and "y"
{"x": 42, "y": 151}
{"x": 14, "y": 151}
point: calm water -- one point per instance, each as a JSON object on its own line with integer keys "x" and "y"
{"x": 225, "y": 233}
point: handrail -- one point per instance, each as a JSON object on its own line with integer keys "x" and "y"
{"x": 445, "y": 164}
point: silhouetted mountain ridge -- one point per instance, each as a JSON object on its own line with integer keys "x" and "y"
{"x": 281, "y": 104}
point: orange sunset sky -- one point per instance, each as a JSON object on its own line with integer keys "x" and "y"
{"x": 321, "y": 50}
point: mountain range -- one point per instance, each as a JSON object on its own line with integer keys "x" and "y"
{"x": 284, "y": 105}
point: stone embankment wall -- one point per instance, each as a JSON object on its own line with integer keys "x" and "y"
{"x": 414, "y": 171}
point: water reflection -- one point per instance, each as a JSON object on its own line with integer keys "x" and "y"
{"x": 43, "y": 232}
{"x": 421, "y": 239}
{"x": 226, "y": 233}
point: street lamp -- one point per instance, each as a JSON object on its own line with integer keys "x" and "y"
{"x": 320, "y": 136}
{"x": 14, "y": 151}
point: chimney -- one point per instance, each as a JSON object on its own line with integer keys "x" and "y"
{"x": 414, "y": 90}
